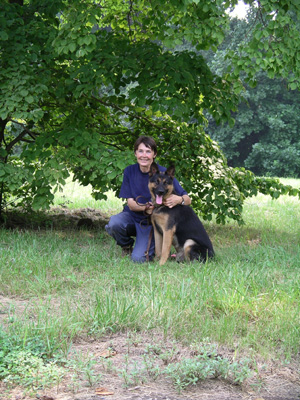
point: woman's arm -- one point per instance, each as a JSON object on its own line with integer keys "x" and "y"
{"x": 134, "y": 206}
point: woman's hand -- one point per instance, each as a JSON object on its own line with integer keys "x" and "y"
{"x": 149, "y": 208}
{"x": 173, "y": 201}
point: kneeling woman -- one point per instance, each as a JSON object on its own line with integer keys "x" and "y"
{"x": 132, "y": 221}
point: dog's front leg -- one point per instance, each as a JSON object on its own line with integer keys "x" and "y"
{"x": 158, "y": 243}
{"x": 166, "y": 245}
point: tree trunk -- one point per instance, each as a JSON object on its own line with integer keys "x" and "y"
{"x": 2, "y": 159}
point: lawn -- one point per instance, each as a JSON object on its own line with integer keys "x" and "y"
{"x": 58, "y": 287}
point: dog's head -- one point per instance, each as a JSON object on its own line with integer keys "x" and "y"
{"x": 160, "y": 184}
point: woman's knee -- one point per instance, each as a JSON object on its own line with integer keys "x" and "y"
{"x": 113, "y": 224}
{"x": 141, "y": 257}
{"x": 117, "y": 223}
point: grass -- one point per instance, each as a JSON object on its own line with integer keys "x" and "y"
{"x": 75, "y": 196}
{"x": 75, "y": 283}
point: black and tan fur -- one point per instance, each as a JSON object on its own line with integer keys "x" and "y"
{"x": 179, "y": 225}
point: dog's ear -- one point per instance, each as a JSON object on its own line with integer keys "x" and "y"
{"x": 153, "y": 169}
{"x": 171, "y": 171}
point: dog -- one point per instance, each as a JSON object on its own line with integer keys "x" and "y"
{"x": 179, "y": 225}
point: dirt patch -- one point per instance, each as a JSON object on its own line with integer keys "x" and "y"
{"x": 115, "y": 367}
{"x": 9, "y": 307}
{"x": 56, "y": 218}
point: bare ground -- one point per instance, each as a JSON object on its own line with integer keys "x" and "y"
{"x": 118, "y": 355}
{"x": 110, "y": 355}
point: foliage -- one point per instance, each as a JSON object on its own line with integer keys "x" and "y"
{"x": 265, "y": 136}
{"x": 23, "y": 363}
{"x": 80, "y": 81}
{"x": 185, "y": 372}
{"x": 83, "y": 367}
{"x": 208, "y": 364}
{"x": 271, "y": 43}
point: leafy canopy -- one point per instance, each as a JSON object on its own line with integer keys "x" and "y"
{"x": 81, "y": 80}
{"x": 265, "y": 136}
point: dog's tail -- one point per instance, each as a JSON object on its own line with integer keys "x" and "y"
{"x": 195, "y": 251}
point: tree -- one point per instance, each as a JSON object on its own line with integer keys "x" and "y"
{"x": 265, "y": 137}
{"x": 80, "y": 80}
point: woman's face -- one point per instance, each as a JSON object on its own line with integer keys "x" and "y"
{"x": 145, "y": 157}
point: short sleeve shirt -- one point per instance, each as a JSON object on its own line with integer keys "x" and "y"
{"x": 135, "y": 185}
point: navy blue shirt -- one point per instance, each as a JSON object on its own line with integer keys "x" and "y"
{"x": 135, "y": 184}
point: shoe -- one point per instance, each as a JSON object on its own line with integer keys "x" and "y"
{"x": 126, "y": 251}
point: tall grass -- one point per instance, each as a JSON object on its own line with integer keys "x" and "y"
{"x": 77, "y": 284}
{"x": 76, "y": 196}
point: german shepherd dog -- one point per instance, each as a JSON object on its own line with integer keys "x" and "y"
{"x": 179, "y": 225}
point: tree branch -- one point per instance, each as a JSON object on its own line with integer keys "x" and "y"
{"x": 111, "y": 144}
{"x": 3, "y": 123}
{"x": 20, "y": 137}
{"x": 16, "y": 140}
{"x": 133, "y": 115}
{"x": 31, "y": 134}
{"x": 115, "y": 133}
{"x": 20, "y": 2}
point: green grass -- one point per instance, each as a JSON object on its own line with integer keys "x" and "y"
{"x": 75, "y": 196}
{"x": 76, "y": 283}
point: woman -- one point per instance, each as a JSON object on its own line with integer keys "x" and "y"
{"x": 133, "y": 221}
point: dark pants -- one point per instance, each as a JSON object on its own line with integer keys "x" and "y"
{"x": 122, "y": 227}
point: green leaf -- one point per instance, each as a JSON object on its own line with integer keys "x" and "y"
{"x": 293, "y": 86}
{"x": 72, "y": 47}
{"x": 3, "y": 36}
{"x": 24, "y": 92}
{"x": 29, "y": 99}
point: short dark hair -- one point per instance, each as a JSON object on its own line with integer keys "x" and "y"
{"x": 147, "y": 141}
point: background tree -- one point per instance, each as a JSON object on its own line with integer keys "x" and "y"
{"x": 79, "y": 81}
{"x": 265, "y": 137}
